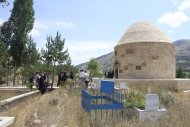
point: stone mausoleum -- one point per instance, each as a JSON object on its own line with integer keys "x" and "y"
{"x": 145, "y": 56}
{"x": 144, "y": 52}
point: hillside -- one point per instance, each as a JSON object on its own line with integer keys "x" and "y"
{"x": 106, "y": 61}
{"x": 183, "y": 53}
{"x": 182, "y": 56}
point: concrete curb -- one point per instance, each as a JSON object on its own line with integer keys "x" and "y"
{"x": 11, "y": 102}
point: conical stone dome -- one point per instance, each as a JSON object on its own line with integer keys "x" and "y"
{"x": 143, "y": 32}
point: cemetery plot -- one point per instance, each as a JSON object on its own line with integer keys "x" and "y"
{"x": 4, "y": 94}
{"x": 100, "y": 102}
{"x": 152, "y": 111}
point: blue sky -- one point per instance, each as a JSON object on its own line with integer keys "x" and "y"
{"x": 92, "y": 28}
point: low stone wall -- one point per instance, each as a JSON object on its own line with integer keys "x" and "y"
{"x": 171, "y": 84}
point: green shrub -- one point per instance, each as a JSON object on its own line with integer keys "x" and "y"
{"x": 29, "y": 85}
{"x": 134, "y": 99}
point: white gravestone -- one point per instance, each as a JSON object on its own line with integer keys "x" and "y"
{"x": 152, "y": 111}
{"x": 122, "y": 85}
{"x": 152, "y": 102}
{"x": 6, "y": 121}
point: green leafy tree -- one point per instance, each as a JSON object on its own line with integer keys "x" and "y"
{"x": 180, "y": 73}
{"x": 14, "y": 31}
{"x": 3, "y": 69}
{"x": 55, "y": 54}
{"x": 29, "y": 59}
{"x": 2, "y": 50}
{"x": 94, "y": 67}
{"x": 4, "y": 61}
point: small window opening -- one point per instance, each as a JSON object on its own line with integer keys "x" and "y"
{"x": 138, "y": 67}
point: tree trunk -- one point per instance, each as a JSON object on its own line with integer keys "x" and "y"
{"x": 14, "y": 74}
{"x": 53, "y": 76}
{"x": 1, "y": 78}
{"x": 22, "y": 80}
{"x": 17, "y": 80}
{"x": 7, "y": 80}
{"x": 52, "y": 81}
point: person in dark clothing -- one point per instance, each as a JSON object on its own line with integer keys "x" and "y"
{"x": 42, "y": 85}
{"x": 71, "y": 76}
{"x": 46, "y": 80}
{"x": 64, "y": 76}
{"x": 59, "y": 78}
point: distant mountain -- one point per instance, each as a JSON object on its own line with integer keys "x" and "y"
{"x": 106, "y": 61}
{"x": 182, "y": 47}
{"x": 183, "y": 53}
{"x": 182, "y": 57}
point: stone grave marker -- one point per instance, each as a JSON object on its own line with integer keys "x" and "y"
{"x": 152, "y": 102}
{"x": 6, "y": 121}
{"x": 152, "y": 111}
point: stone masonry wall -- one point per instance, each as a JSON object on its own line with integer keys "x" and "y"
{"x": 145, "y": 60}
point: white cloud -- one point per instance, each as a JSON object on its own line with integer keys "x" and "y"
{"x": 170, "y": 31}
{"x": 184, "y": 5}
{"x": 42, "y": 26}
{"x": 38, "y": 24}
{"x": 34, "y": 33}
{"x": 175, "y": 2}
{"x": 1, "y": 21}
{"x": 174, "y": 19}
{"x": 65, "y": 24}
{"x": 83, "y": 51}
{"x": 52, "y": 23}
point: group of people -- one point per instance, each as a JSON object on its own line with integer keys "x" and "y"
{"x": 109, "y": 74}
{"x": 63, "y": 76}
{"x": 41, "y": 81}
{"x": 84, "y": 77}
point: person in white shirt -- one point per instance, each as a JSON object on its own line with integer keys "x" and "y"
{"x": 37, "y": 77}
{"x": 87, "y": 79}
{"x": 82, "y": 77}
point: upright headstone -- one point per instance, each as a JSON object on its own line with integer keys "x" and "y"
{"x": 152, "y": 102}
{"x": 122, "y": 85}
{"x": 152, "y": 111}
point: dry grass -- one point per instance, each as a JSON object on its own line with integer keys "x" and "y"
{"x": 178, "y": 114}
{"x": 63, "y": 107}
{"x": 59, "y": 107}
